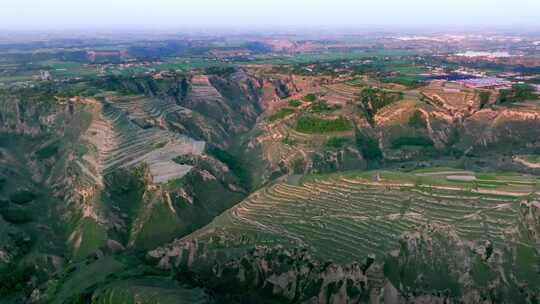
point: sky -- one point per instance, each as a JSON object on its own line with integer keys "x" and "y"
{"x": 261, "y": 14}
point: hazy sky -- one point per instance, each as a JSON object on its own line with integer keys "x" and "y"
{"x": 266, "y": 13}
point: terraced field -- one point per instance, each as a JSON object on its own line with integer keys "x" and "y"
{"x": 346, "y": 217}
{"x": 128, "y": 132}
{"x": 144, "y": 108}
{"x": 340, "y": 93}
{"x": 281, "y": 131}
{"x": 451, "y": 100}
{"x": 294, "y": 145}
{"x": 202, "y": 90}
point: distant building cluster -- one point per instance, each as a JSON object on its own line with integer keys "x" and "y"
{"x": 486, "y": 82}
{"x": 473, "y": 54}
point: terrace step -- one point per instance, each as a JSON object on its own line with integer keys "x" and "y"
{"x": 361, "y": 218}
{"x": 121, "y": 143}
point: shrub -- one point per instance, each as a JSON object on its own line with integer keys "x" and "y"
{"x": 22, "y": 197}
{"x": 417, "y": 120}
{"x": 47, "y": 151}
{"x": 412, "y": 141}
{"x": 484, "y": 98}
{"x": 176, "y": 183}
{"x": 289, "y": 141}
{"x": 235, "y": 164}
{"x": 368, "y": 146}
{"x": 281, "y": 113}
{"x": 320, "y": 106}
{"x": 336, "y": 142}
{"x": 374, "y": 99}
{"x": 295, "y": 103}
{"x": 298, "y": 166}
{"x": 220, "y": 71}
{"x": 518, "y": 93}
{"x": 309, "y": 98}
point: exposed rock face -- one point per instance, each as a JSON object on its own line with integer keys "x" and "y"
{"x": 331, "y": 161}
{"x": 287, "y": 274}
{"x": 24, "y": 117}
{"x": 293, "y": 275}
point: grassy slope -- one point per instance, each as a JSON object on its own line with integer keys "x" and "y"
{"x": 341, "y": 217}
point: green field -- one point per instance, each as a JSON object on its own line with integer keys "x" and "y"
{"x": 189, "y": 63}
{"x": 66, "y": 69}
{"x": 346, "y": 217}
{"x": 313, "y": 124}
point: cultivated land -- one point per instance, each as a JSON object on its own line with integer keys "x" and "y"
{"x": 348, "y": 217}
{"x": 270, "y": 169}
{"x": 138, "y": 141}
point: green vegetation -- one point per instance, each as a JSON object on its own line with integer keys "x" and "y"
{"x": 309, "y": 98}
{"x": 368, "y": 146}
{"x": 408, "y": 81}
{"x": 16, "y": 214}
{"x": 419, "y": 204}
{"x": 484, "y": 98}
{"x": 83, "y": 276}
{"x": 298, "y": 166}
{"x": 313, "y": 124}
{"x": 22, "y": 197}
{"x": 148, "y": 291}
{"x": 295, "y": 103}
{"x": 118, "y": 279}
{"x": 235, "y": 164}
{"x": 417, "y": 120}
{"x": 281, "y": 114}
{"x": 47, "y": 151}
{"x": 518, "y": 93}
{"x": 176, "y": 183}
{"x": 336, "y": 142}
{"x": 302, "y": 58}
{"x": 223, "y": 71}
{"x": 526, "y": 256}
{"x": 14, "y": 281}
{"x": 92, "y": 235}
{"x": 373, "y": 99}
{"x": 80, "y": 207}
{"x": 322, "y": 106}
{"x": 66, "y": 69}
{"x": 161, "y": 225}
{"x": 411, "y": 141}
{"x": 289, "y": 141}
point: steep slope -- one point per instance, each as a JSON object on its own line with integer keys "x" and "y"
{"x": 97, "y": 179}
{"x": 212, "y": 108}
